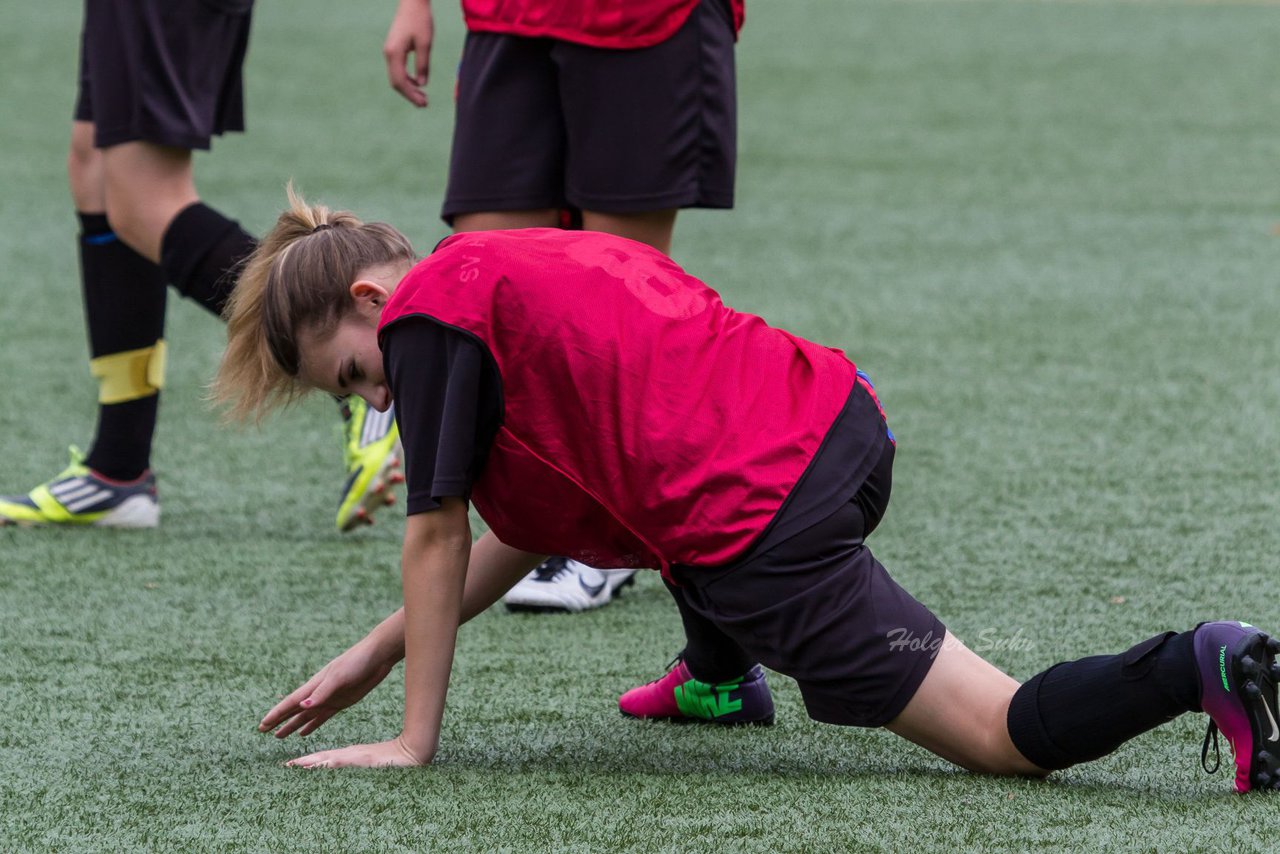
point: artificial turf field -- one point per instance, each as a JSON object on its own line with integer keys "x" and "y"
{"x": 1048, "y": 230}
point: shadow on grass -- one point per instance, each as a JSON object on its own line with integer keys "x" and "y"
{"x": 876, "y": 759}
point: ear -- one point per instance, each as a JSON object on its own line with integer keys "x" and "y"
{"x": 370, "y": 297}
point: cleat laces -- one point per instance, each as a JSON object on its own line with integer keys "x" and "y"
{"x": 552, "y": 569}
{"x": 1211, "y": 733}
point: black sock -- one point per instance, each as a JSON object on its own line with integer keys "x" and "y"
{"x": 124, "y": 302}
{"x": 1082, "y": 710}
{"x": 201, "y": 254}
{"x": 710, "y": 655}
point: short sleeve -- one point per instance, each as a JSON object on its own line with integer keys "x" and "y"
{"x": 446, "y": 407}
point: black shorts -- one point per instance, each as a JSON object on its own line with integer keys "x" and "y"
{"x": 163, "y": 71}
{"x": 821, "y": 609}
{"x": 543, "y": 123}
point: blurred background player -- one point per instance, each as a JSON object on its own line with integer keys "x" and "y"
{"x": 611, "y": 116}
{"x": 159, "y": 78}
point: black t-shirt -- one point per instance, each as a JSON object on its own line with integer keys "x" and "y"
{"x": 448, "y": 400}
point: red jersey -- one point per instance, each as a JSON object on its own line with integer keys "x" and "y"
{"x": 614, "y": 24}
{"x": 644, "y": 423}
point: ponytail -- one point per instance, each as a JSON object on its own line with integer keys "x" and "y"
{"x": 299, "y": 277}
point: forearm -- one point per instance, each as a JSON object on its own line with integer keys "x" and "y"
{"x": 434, "y": 570}
{"x": 386, "y": 640}
{"x": 493, "y": 569}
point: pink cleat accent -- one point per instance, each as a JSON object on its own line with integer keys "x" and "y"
{"x": 1238, "y": 676}
{"x": 680, "y": 698}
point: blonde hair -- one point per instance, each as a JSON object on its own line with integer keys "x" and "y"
{"x": 299, "y": 277}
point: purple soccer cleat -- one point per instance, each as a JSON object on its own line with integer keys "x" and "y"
{"x": 1238, "y": 676}
{"x": 679, "y": 698}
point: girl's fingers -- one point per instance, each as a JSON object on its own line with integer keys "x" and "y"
{"x": 381, "y": 755}
{"x": 340, "y": 758}
{"x": 290, "y": 705}
{"x": 314, "y": 724}
{"x": 293, "y": 723}
{"x": 312, "y": 760}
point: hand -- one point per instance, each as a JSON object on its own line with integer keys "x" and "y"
{"x": 340, "y": 683}
{"x": 384, "y": 754}
{"x": 410, "y": 35}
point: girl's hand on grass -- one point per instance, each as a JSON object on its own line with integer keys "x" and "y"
{"x": 384, "y": 754}
{"x": 340, "y": 683}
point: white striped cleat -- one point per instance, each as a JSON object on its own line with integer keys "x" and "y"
{"x": 371, "y": 450}
{"x": 81, "y": 496}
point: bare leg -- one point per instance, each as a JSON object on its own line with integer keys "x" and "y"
{"x": 960, "y": 711}
{"x": 85, "y": 171}
{"x": 489, "y": 220}
{"x": 652, "y": 227}
{"x": 147, "y": 185}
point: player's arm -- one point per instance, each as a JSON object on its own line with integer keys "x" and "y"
{"x": 408, "y": 45}
{"x": 493, "y": 569}
{"x": 437, "y": 551}
{"x": 437, "y": 548}
{"x": 438, "y": 373}
{"x": 439, "y": 596}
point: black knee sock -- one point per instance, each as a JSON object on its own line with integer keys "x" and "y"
{"x": 1082, "y": 710}
{"x": 124, "y": 302}
{"x": 201, "y": 253}
{"x": 710, "y": 655}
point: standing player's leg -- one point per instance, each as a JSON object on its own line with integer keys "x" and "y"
{"x": 506, "y": 170}
{"x": 506, "y": 165}
{"x": 559, "y": 584}
{"x": 653, "y": 130}
{"x": 153, "y": 205}
{"x": 124, "y": 301}
{"x": 491, "y": 220}
{"x": 647, "y": 132}
{"x": 140, "y": 109}
{"x": 157, "y": 80}
{"x": 652, "y": 227}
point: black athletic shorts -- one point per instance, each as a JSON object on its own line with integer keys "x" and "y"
{"x": 543, "y": 123}
{"x": 163, "y": 71}
{"x": 821, "y": 609}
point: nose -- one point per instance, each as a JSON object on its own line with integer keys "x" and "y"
{"x": 379, "y": 397}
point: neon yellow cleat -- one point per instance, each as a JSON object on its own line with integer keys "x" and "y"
{"x": 371, "y": 449}
{"x": 81, "y": 496}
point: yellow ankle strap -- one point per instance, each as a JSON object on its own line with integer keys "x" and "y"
{"x": 131, "y": 375}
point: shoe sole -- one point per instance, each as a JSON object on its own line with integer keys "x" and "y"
{"x": 1254, "y": 667}
{"x": 558, "y": 608}
{"x": 136, "y": 513}
{"x": 629, "y": 581}
{"x": 683, "y": 719}
{"x": 550, "y": 608}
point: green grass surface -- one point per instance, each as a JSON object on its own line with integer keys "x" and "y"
{"x": 1045, "y": 228}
